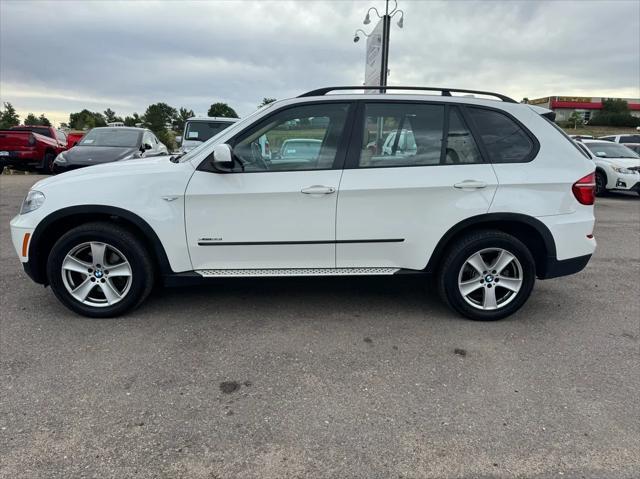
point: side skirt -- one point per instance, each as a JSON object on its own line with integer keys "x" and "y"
{"x": 191, "y": 278}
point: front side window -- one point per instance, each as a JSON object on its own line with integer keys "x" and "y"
{"x": 146, "y": 139}
{"x": 401, "y": 134}
{"x": 504, "y": 140}
{"x": 61, "y": 136}
{"x": 299, "y": 138}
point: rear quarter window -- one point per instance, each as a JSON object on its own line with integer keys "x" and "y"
{"x": 504, "y": 140}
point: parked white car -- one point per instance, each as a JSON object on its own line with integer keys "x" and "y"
{"x": 624, "y": 138}
{"x": 484, "y": 217}
{"x": 199, "y": 129}
{"x": 617, "y": 167}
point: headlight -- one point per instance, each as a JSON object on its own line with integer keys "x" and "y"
{"x": 32, "y": 201}
{"x": 61, "y": 158}
{"x": 622, "y": 170}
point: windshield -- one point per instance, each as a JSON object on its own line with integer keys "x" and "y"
{"x": 116, "y": 137}
{"x": 203, "y": 130}
{"x": 611, "y": 150}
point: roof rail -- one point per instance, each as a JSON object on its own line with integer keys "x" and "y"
{"x": 444, "y": 91}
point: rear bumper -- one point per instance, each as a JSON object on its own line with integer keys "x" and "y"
{"x": 556, "y": 268}
{"x": 20, "y": 159}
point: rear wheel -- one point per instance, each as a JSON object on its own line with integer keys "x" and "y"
{"x": 601, "y": 184}
{"x": 100, "y": 270}
{"x": 487, "y": 275}
{"x": 48, "y": 165}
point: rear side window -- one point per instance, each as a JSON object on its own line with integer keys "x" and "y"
{"x": 630, "y": 139}
{"x": 401, "y": 134}
{"x": 504, "y": 140}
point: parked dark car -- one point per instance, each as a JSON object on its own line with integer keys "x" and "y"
{"x": 107, "y": 144}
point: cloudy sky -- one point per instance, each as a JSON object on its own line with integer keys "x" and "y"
{"x": 60, "y": 57}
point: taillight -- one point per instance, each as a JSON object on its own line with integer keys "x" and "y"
{"x": 32, "y": 140}
{"x": 585, "y": 189}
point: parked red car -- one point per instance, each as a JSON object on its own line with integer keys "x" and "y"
{"x": 73, "y": 138}
{"x": 31, "y": 147}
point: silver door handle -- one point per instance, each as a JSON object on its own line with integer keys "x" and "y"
{"x": 318, "y": 190}
{"x": 470, "y": 185}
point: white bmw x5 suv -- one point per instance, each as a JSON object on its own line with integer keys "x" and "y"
{"x": 492, "y": 197}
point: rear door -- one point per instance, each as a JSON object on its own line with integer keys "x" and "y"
{"x": 394, "y": 207}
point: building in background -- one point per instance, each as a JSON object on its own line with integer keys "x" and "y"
{"x": 564, "y": 106}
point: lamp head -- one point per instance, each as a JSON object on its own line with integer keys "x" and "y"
{"x": 367, "y": 19}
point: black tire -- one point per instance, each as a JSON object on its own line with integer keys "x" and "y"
{"x": 48, "y": 165}
{"x": 142, "y": 269}
{"x": 455, "y": 259}
{"x": 601, "y": 184}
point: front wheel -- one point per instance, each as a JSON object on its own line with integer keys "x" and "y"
{"x": 100, "y": 270}
{"x": 48, "y": 165}
{"x": 487, "y": 275}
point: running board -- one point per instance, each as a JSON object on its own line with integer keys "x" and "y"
{"x": 248, "y": 273}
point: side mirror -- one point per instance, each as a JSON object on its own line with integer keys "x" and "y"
{"x": 222, "y": 157}
{"x": 178, "y": 139}
{"x": 146, "y": 146}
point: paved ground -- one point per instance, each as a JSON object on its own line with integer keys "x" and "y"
{"x": 326, "y": 378}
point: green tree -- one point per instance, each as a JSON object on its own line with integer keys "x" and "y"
{"x": 222, "y": 110}
{"x": 31, "y": 120}
{"x": 615, "y": 112}
{"x": 110, "y": 116}
{"x": 132, "y": 120}
{"x": 615, "y": 105}
{"x": 159, "y": 116}
{"x": 44, "y": 121}
{"x": 167, "y": 137}
{"x": 8, "y": 116}
{"x": 265, "y": 101}
{"x": 181, "y": 118}
{"x": 575, "y": 119}
{"x": 86, "y": 119}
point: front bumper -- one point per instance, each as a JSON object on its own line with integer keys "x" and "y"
{"x": 624, "y": 182}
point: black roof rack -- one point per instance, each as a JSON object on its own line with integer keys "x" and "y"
{"x": 444, "y": 91}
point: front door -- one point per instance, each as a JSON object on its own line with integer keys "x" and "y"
{"x": 274, "y": 210}
{"x": 413, "y": 171}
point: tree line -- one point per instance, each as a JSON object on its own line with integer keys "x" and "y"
{"x": 164, "y": 120}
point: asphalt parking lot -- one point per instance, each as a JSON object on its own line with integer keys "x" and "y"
{"x": 326, "y": 377}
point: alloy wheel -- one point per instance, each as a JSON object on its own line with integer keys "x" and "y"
{"x": 96, "y": 274}
{"x": 490, "y": 278}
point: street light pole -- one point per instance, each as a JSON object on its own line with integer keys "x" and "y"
{"x": 386, "y": 33}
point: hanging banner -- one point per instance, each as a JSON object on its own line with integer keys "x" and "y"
{"x": 373, "y": 60}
